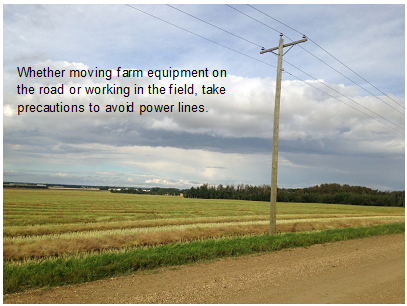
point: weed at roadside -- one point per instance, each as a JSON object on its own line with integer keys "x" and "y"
{"x": 75, "y": 270}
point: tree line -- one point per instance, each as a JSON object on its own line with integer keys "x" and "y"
{"x": 324, "y": 193}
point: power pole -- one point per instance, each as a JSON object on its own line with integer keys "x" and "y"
{"x": 273, "y": 196}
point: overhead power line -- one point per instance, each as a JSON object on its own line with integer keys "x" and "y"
{"x": 343, "y": 95}
{"x": 332, "y": 57}
{"x": 358, "y": 74}
{"x": 312, "y": 54}
{"x": 213, "y": 25}
{"x": 292, "y": 64}
{"x": 352, "y": 81}
{"x": 252, "y": 18}
{"x": 276, "y": 20}
{"x": 212, "y": 41}
{"x": 348, "y": 104}
{"x": 266, "y": 62}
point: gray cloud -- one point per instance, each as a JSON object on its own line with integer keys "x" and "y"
{"x": 321, "y": 138}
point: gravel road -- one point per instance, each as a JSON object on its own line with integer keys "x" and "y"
{"x": 370, "y": 270}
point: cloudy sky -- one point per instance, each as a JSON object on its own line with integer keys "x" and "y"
{"x": 335, "y": 127}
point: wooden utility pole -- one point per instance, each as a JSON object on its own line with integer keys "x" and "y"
{"x": 274, "y": 161}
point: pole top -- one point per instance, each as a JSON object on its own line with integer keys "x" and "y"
{"x": 281, "y": 34}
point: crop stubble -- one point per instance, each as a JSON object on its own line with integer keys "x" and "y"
{"x": 44, "y": 223}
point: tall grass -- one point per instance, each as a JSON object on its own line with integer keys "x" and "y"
{"x": 75, "y": 270}
{"x": 63, "y": 245}
{"x": 138, "y": 230}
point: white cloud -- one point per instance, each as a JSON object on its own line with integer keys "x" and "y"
{"x": 246, "y": 110}
{"x": 8, "y": 111}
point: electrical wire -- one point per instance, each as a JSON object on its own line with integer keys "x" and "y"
{"x": 357, "y": 74}
{"x": 252, "y": 18}
{"x": 334, "y": 58}
{"x": 352, "y": 80}
{"x": 294, "y": 66}
{"x": 270, "y": 64}
{"x": 348, "y": 104}
{"x": 275, "y": 19}
{"x": 342, "y": 94}
{"x": 212, "y": 41}
{"x": 213, "y": 25}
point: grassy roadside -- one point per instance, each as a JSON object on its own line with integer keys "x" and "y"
{"x": 74, "y": 270}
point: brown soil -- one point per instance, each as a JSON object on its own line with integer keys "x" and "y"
{"x": 370, "y": 270}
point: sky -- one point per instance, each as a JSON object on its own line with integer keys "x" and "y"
{"x": 335, "y": 126}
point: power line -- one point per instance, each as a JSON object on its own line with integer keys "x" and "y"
{"x": 358, "y": 74}
{"x": 269, "y": 65}
{"x": 275, "y": 19}
{"x": 335, "y": 59}
{"x": 212, "y": 41}
{"x": 348, "y": 104}
{"x": 213, "y": 25}
{"x": 293, "y": 65}
{"x": 252, "y": 18}
{"x": 351, "y": 80}
{"x": 344, "y": 95}
{"x": 311, "y": 53}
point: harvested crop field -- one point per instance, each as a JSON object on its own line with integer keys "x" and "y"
{"x": 43, "y": 223}
{"x": 47, "y": 225}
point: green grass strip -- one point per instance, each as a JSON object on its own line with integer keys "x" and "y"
{"x": 64, "y": 271}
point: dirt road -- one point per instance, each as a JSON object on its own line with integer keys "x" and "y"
{"x": 370, "y": 270}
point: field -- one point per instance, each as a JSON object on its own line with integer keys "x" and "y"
{"x": 47, "y": 226}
